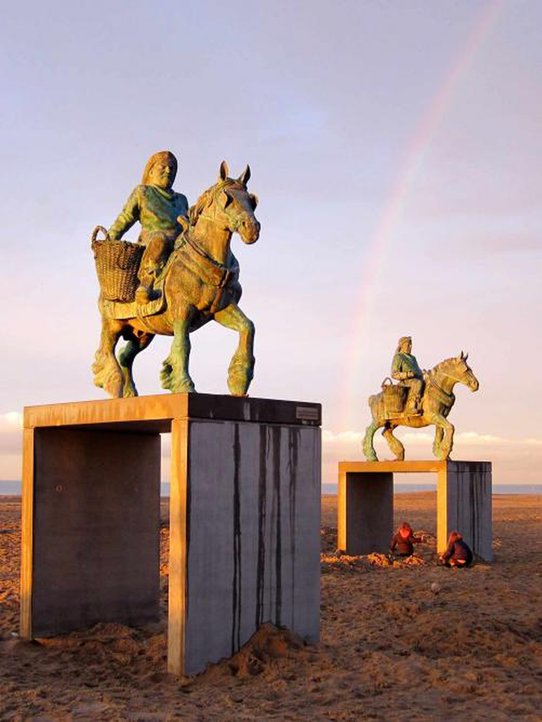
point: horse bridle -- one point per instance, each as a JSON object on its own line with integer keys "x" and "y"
{"x": 235, "y": 221}
{"x": 459, "y": 380}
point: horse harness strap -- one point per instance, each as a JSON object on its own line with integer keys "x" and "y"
{"x": 444, "y": 397}
{"x": 206, "y": 268}
{"x": 200, "y": 263}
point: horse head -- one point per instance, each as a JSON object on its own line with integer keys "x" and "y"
{"x": 229, "y": 206}
{"x": 458, "y": 370}
{"x": 468, "y": 378}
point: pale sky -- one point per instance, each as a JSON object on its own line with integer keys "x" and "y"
{"x": 396, "y": 150}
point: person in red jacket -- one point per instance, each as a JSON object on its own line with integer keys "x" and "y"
{"x": 458, "y": 554}
{"x": 403, "y": 541}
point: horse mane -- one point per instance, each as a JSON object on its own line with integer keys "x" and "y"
{"x": 207, "y": 197}
{"x": 443, "y": 364}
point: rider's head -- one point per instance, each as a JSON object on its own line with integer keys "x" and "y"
{"x": 404, "y": 345}
{"x": 160, "y": 170}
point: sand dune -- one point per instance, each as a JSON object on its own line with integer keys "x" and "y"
{"x": 410, "y": 641}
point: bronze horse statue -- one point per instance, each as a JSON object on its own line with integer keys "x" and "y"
{"x": 200, "y": 283}
{"x": 437, "y": 401}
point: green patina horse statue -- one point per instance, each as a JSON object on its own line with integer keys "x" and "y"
{"x": 199, "y": 283}
{"x": 437, "y": 401}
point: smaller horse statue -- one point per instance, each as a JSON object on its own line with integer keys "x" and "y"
{"x": 437, "y": 401}
{"x": 199, "y": 283}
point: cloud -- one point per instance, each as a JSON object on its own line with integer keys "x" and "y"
{"x": 473, "y": 438}
{"x": 11, "y": 421}
{"x": 341, "y": 437}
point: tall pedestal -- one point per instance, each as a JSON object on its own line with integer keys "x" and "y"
{"x": 244, "y": 519}
{"x": 365, "y": 508}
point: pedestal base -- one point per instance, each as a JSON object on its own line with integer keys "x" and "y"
{"x": 244, "y": 519}
{"x": 365, "y": 508}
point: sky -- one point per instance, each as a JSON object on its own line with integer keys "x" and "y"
{"x": 395, "y": 147}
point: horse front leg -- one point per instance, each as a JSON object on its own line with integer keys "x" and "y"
{"x": 241, "y": 368}
{"x": 444, "y": 449}
{"x": 174, "y": 374}
{"x": 106, "y": 370}
{"x": 437, "y": 442}
{"x": 397, "y": 448}
{"x": 135, "y": 345}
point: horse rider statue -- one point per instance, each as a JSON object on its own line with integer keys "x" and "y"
{"x": 162, "y": 214}
{"x": 405, "y": 369}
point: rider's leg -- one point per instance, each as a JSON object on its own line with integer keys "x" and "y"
{"x": 156, "y": 253}
{"x": 414, "y": 399}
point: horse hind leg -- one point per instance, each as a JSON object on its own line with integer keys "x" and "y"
{"x": 106, "y": 370}
{"x": 136, "y": 344}
{"x": 396, "y": 447}
{"x": 367, "y": 444}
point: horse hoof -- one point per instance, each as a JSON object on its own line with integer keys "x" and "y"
{"x": 239, "y": 378}
{"x": 184, "y": 385}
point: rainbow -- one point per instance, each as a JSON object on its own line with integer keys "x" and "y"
{"x": 417, "y": 151}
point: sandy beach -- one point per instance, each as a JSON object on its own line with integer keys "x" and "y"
{"x": 410, "y": 641}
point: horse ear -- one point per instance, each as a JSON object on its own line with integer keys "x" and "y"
{"x": 461, "y": 356}
{"x": 224, "y": 170}
{"x": 465, "y": 357}
{"x": 245, "y": 176}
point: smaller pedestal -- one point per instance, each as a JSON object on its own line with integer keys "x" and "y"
{"x": 365, "y": 509}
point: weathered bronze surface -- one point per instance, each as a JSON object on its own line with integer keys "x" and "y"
{"x": 400, "y": 405}
{"x": 197, "y": 283}
{"x": 160, "y": 212}
{"x": 405, "y": 369}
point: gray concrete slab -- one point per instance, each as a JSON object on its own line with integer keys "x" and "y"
{"x": 468, "y": 504}
{"x": 253, "y": 535}
{"x": 96, "y": 529}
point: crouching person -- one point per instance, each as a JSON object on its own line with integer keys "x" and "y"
{"x": 402, "y": 543}
{"x": 458, "y": 554}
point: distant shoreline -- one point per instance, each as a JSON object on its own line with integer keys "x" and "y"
{"x": 13, "y": 488}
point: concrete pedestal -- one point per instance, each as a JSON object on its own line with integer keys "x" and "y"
{"x": 365, "y": 508}
{"x": 244, "y": 519}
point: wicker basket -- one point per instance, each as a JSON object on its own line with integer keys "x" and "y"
{"x": 117, "y": 264}
{"x": 394, "y": 396}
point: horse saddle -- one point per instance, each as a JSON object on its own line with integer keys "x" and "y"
{"x": 120, "y": 310}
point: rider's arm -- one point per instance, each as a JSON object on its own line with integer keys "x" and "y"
{"x": 127, "y": 217}
{"x": 397, "y": 372}
{"x": 448, "y": 553}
